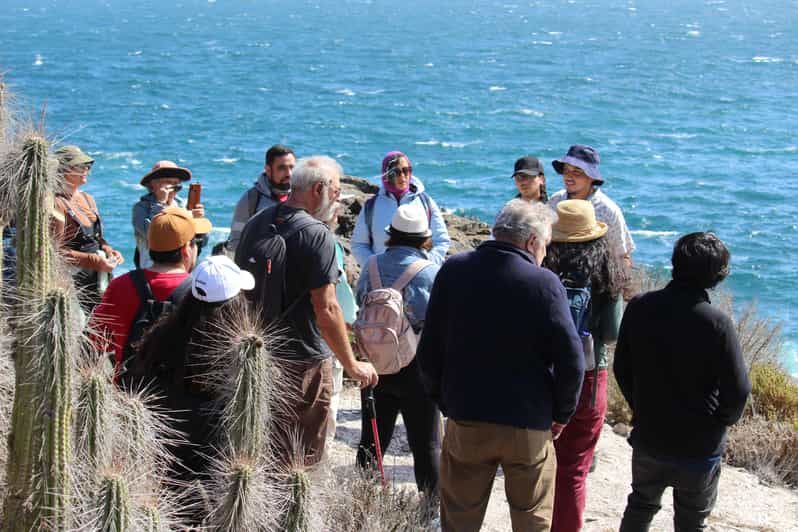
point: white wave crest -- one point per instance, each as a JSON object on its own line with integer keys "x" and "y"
{"x": 345, "y": 92}
{"x": 38, "y": 61}
{"x": 532, "y": 112}
{"x": 130, "y": 186}
{"x": 766, "y": 59}
{"x": 432, "y": 142}
{"x": 494, "y": 88}
{"x": 652, "y": 234}
{"x": 226, "y": 160}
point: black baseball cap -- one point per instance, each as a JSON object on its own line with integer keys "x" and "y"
{"x": 528, "y": 165}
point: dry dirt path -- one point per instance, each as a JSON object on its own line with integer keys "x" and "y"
{"x": 744, "y": 504}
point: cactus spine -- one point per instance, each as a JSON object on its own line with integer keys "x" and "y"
{"x": 296, "y": 518}
{"x": 114, "y": 504}
{"x": 35, "y": 262}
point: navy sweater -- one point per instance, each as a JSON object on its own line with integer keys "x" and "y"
{"x": 499, "y": 344}
{"x": 679, "y": 365}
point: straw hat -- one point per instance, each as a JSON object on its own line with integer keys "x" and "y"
{"x": 576, "y": 222}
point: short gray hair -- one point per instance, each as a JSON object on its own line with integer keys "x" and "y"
{"x": 316, "y": 169}
{"x": 518, "y": 219}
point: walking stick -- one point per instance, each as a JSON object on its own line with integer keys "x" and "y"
{"x": 371, "y": 408}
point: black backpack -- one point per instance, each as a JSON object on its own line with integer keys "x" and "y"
{"x": 262, "y": 252}
{"x": 150, "y": 310}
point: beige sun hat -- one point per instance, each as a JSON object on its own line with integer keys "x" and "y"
{"x": 577, "y": 222}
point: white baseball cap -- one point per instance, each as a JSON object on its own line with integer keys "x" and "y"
{"x": 218, "y": 278}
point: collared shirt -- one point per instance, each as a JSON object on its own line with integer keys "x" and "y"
{"x": 618, "y": 236}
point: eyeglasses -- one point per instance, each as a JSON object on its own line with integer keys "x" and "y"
{"x": 81, "y": 167}
{"x": 176, "y": 188}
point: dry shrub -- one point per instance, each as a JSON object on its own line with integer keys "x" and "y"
{"x": 618, "y": 410}
{"x": 767, "y": 448}
{"x": 760, "y": 338}
{"x": 774, "y": 395}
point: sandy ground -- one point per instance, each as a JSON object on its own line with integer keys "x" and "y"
{"x": 744, "y": 504}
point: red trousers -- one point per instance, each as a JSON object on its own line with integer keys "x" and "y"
{"x": 575, "y": 448}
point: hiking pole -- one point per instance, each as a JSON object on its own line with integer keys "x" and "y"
{"x": 371, "y": 408}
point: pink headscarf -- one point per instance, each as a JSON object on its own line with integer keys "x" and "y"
{"x": 386, "y": 162}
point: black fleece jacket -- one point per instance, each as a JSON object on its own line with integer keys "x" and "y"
{"x": 499, "y": 344}
{"x": 679, "y": 365}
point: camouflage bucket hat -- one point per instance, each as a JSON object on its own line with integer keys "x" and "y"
{"x": 72, "y": 156}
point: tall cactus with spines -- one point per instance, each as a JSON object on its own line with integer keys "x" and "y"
{"x": 297, "y": 515}
{"x": 57, "y": 334}
{"x": 246, "y": 415}
{"x": 245, "y": 499}
{"x": 93, "y": 412}
{"x": 114, "y": 504}
{"x": 30, "y": 169}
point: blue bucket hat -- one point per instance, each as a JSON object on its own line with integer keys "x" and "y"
{"x": 583, "y": 157}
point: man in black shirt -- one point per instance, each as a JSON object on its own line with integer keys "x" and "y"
{"x": 679, "y": 365}
{"x": 313, "y": 323}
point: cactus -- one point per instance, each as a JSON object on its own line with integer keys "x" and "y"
{"x": 247, "y": 412}
{"x": 245, "y": 499}
{"x": 35, "y": 264}
{"x": 114, "y": 504}
{"x": 57, "y": 336}
{"x": 296, "y": 517}
{"x": 93, "y": 412}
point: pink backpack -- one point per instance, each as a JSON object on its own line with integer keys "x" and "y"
{"x": 383, "y": 332}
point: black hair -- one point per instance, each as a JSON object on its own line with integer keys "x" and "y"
{"x": 167, "y": 257}
{"x": 189, "y": 327}
{"x": 700, "y": 259}
{"x": 580, "y": 261}
{"x": 278, "y": 150}
{"x": 403, "y": 239}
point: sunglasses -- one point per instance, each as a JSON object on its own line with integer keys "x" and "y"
{"x": 407, "y": 170}
{"x": 176, "y": 188}
{"x": 82, "y": 167}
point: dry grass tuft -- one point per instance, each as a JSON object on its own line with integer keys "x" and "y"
{"x": 767, "y": 448}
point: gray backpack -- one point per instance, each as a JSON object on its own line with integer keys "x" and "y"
{"x": 382, "y": 329}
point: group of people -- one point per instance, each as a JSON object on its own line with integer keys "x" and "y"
{"x": 509, "y": 341}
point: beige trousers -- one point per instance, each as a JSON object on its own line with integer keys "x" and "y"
{"x": 471, "y": 453}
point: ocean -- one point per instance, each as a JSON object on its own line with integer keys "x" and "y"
{"x": 693, "y": 105}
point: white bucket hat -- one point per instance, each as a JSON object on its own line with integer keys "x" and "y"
{"x": 409, "y": 220}
{"x": 217, "y": 278}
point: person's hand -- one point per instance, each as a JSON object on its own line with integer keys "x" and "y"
{"x": 106, "y": 265}
{"x": 364, "y": 373}
{"x": 198, "y": 211}
{"x": 556, "y": 430}
{"x": 165, "y": 194}
{"x": 117, "y": 257}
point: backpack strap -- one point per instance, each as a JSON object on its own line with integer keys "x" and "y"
{"x": 253, "y": 195}
{"x": 368, "y": 213}
{"x": 425, "y": 201}
{"x": 142, "y": 286}
{"x": 180, "y": 292}
{"x": 374, "y": 273}
{"x": 411, "y": 271}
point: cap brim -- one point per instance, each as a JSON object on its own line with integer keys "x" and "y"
{"x": 183, "y": 174}
{"x": 530, "y": 173}
{"x": 246, "y": 280}
{"x": 202, "y": 226}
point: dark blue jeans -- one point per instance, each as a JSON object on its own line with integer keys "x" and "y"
{"x": 695, "y": 490}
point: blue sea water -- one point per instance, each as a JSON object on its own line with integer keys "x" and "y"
{"x": 693, "y": 104}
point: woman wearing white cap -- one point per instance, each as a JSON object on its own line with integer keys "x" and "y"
{"x": 171, "y": 356}
{"x": 409, "y": 240}
{"x": 581, "y": 256}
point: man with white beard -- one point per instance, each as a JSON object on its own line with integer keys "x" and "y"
{"x": 291, "y": 253}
